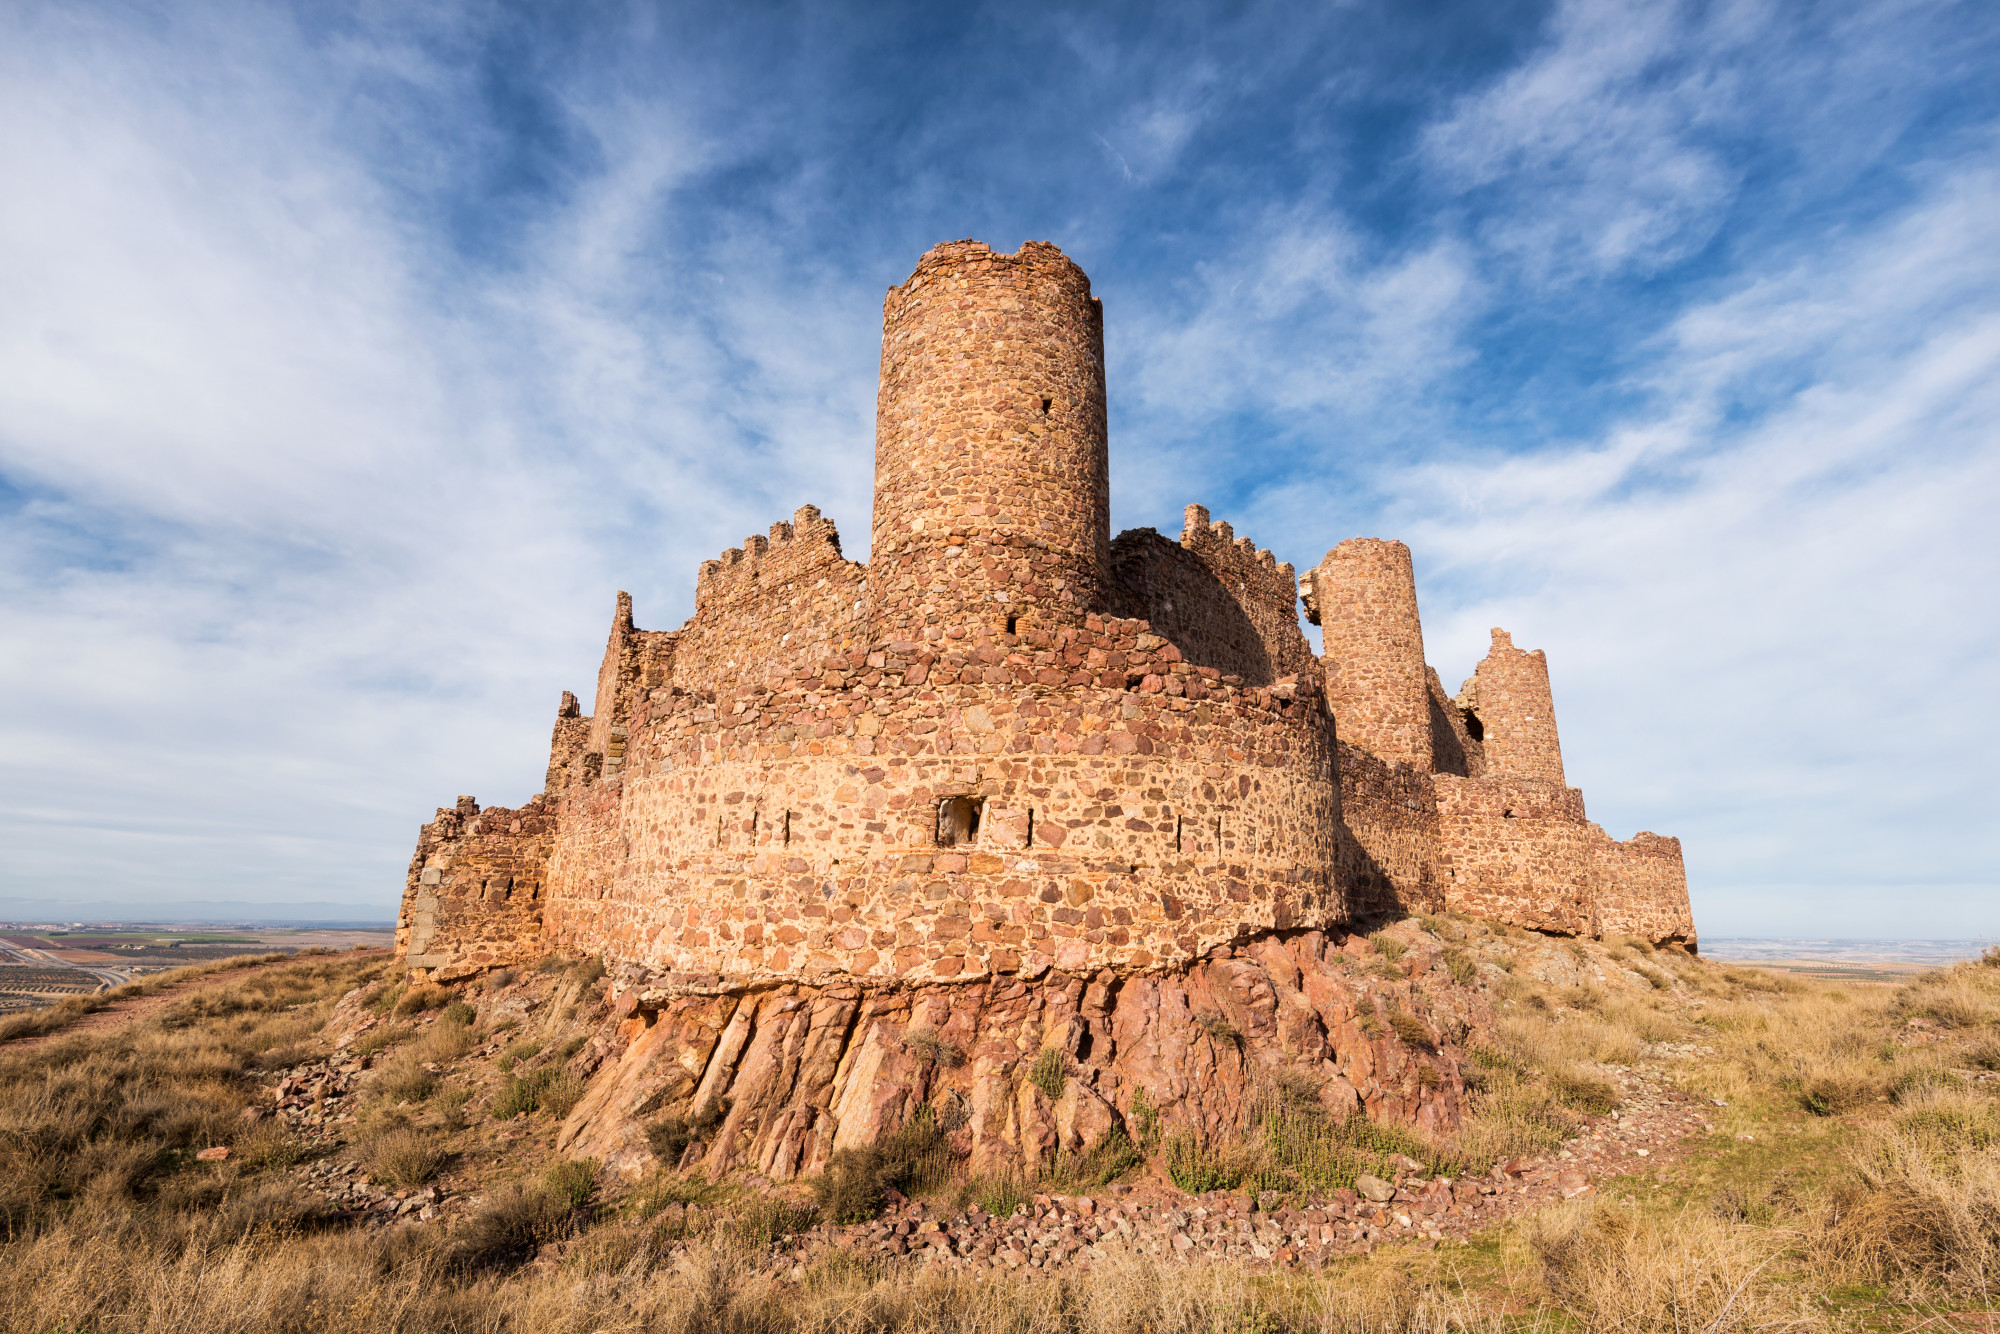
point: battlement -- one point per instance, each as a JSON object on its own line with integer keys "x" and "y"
{"x": 793, "y": 550}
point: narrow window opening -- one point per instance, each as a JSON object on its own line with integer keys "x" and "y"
{"x": 1218, "y": 833}
{"x": 1177, "y": 834}
{"x": 788, "y": 828}
{"x": 1013, "y": 624}
{"x": 718, "y": 831}
{"x": 1473, "y": 727}
{"x": 957, "y": 821}
{"x": 1047, "y": 403}
{"x": 1031, "y": 828}
{"x": 753, "y": 827}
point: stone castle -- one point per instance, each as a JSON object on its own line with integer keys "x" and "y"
{"x": 1013, "y": 745}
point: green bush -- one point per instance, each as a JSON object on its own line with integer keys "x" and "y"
{"x": 1049, "y": 1072}
{"x": 571, "y": 1183}
{"x": 549, "y": 1089}
{"x": 1463, "y": 970}
{"x": 1198, "y": 1168}
{"x": 1388, "y": 946}
{"x": 916, "y": 1159}
{"x": 1412, "y": 1031}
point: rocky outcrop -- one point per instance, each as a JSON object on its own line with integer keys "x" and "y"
{"x": 1019, "y": 1069}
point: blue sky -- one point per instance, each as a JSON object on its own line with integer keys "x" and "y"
{"x": 351, "y": 357}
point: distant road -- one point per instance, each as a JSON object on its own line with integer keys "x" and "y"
{"x": 13, "y": 952}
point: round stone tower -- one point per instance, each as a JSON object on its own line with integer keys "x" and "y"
{"x": 1363, "y": 597}
{"x": 992, "y": 478}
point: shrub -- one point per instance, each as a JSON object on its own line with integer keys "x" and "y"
{"x": 1369, "y": 1023}
{"x": 549, "y": 1089}
{"x": 518, "y": 1052}
{"x": 1198, "y": 1168}
{"x": 1112, "y": 1156}
{"x": 571, "y": 1048}
{"x": 1463, "y": 970}
{"x": 571, "y": 1183}
{"x": 499, "y": 978}
{"x": 1388, "y": 946}
{"x": 376, "y": 1039}
{"x": 1412, "y": 1030}
{"x": 1049, "y": 1073}
{"x": 932, "y": 1049}
{"x": 268, "y": 1145}
{"x": 1145, "y": 1118}
{"x": 1585, "y": 1093}
{"x": 762, "y": 1222}
{"x": 403, "y": 1078}
{"x": 1216, "y": 1025}
{"x": 421, "y": 998}
{"x": 670, "y": 1136}
{"x": 458, "y": 1013}
{"x": 999, "y": 1194}
{"x": 508, "y": 1228}
{"x": 916, "y": 1159}
{"x": 587, "y": 971}
{"x": 403, "y": 1156}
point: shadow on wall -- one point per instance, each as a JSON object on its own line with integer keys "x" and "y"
{"x": 1157, "y": 579}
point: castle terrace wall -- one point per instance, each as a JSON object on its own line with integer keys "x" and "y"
{"x": 1509, "y": 693}
{"x": 1388, "y": 839}
{"x": 1363, "y": 596}
{"x": 771, "y": 606}
{"x": 1517, "y": 850}
{"x": 1136, "y": 811}
{"x": 992, "y": 468}
{"x": 1222, "y": 602}
{"x": 1642, "y": 889}
{"x": 473, "y": 896}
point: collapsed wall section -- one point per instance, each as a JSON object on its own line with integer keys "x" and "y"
{"x": 1077, "y": 799}
{"x": 1509, "y": 697}
{"x": 473, "y": 896}
{"x": 1221, "y": 601}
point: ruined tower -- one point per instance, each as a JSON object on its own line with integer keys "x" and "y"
{"x": 1509, "y": 695}
{"x": 1363, "y": 596}
{"x": 992, "y": 482}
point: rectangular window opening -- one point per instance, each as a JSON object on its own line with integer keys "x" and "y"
{"x": 788, "y": 828}
{"x": 958, "y": 821}
{"x": 1177, "y": 834}
{"x": 1031, "y": 828}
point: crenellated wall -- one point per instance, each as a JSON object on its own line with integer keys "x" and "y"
{"x": 1221, "y": 601}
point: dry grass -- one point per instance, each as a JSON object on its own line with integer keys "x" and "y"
{"x": 63, "y": 1013}
{"x": 112, "y": 1227}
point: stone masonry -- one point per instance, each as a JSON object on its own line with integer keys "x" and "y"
{"x": 1011, "y": 748}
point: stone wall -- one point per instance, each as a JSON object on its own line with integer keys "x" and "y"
{"x": 1220, "y": 600}
{"x": 772, "y": 605}
{"x": 473, "y": 896}
{"x": 1642, "y": 889}
{"x": 1133, "y": 811}
{"x": 992, "y": 472}
{"x": 1388, "y": 836}
{"x": 1517, "y": 850}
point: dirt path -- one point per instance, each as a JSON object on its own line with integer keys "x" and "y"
{"x": 131, "y": 1008}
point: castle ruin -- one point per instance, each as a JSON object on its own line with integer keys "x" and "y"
{"x": 1011, "y": 742}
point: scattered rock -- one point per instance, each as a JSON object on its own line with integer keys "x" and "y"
{"x": 214, "y": 1155}
{"x": 1375, "y": 1188}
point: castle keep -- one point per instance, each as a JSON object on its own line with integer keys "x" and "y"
{"x": 1012, "y": 743}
